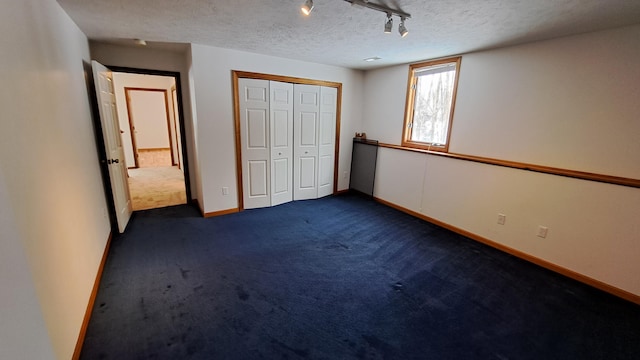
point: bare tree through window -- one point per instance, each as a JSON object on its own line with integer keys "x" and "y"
{"x": 432, "y": 93}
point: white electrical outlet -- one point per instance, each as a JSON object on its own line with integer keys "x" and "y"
{"x": 344, "y": 175}
{"x": 542, "y": 231}
{"x": 502, "y": 218}
{"x": 225, "y": 190}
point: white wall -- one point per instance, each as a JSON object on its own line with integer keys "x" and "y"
{"x": 149, "y": 110}
{"x": 52, "y": 205}
{"x": 156, "y": 59}
{"x": 212, "y": 81}
{"x": 122, "y": 80}
{"x": 571, "y": 103}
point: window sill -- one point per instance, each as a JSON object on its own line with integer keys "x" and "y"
{"x": 424, "y": 146}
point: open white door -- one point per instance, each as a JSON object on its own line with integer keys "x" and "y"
{"x": 112, "y": 143}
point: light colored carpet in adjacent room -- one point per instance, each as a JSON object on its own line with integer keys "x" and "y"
{"x": 155, "y": 187}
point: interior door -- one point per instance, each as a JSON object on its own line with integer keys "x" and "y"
{"x": 113, "y": 144}
{"x": 305, "y": 126}
{"x": 326, "y": 140}
{"x": 281, "y": 105}
{"x": 255, "y": 148}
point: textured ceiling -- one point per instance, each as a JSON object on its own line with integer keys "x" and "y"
{"x": 338, "y": 34}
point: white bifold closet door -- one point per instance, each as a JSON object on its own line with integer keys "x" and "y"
{"x": 281, "y": 142}
{"x": 327, "y": 140}
{"x": 305, "y": 151}
{"x": 266, "y": 125}
{"x": 314, "y": 125}
{"x": 287, "y": 141}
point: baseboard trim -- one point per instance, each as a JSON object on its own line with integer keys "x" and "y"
{"x": 221, "y": 212}
{"x": 153, "y": 149}
{"x": 213, "y": 213}
{"x": 342, "y": 192}
{"x": 522, "y": 255}
{"x": 92, "y": 300}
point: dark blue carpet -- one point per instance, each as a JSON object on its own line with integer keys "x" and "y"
{"x": 338, "y": 278}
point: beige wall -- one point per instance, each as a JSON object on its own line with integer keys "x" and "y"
{"x": 53, "y": 212}
{"x": 570, "y": 102}
{"x": 122, "y": 80}
{"x": 213, "y": 108}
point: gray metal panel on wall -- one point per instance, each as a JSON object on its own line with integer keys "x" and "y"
{"x": 363, "y": 166}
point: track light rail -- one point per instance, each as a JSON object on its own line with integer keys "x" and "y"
{"x": 307, "y": 7}
{"x": 379, "y": 7}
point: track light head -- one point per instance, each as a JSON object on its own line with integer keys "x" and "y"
{"x": 402, "y": 29}
{"x": 307, "y": 7}
{"x": 389, "y": 24}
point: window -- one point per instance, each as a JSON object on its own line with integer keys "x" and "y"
{"x": 430, "y": 102}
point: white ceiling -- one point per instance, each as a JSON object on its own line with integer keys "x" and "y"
{"x": 338, "y": 34}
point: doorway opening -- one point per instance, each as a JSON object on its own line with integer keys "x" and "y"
{"x": 151, "y": 120}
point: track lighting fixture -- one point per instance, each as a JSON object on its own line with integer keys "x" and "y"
{"x": 402, "y": 29}
{"x": 307, "y": 7}
{"x": 389, "y": 24}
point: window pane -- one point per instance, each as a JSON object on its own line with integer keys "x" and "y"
{"x": 432, "y": 105}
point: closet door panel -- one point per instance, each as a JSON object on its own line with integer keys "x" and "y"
{"x": 305, "y": 126}
{"x": 258, "y": 170}
{"x": 308, "y": 127}
{"x": 281, "y": 107}
{"x": 257, "y": 130}
{"x": 326, "y": 142}
{"x": 307, "y": 167}
{"x": 281, "y": 179}
{"x": 255, "y": 142}
{"x": 287, "y": 136}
